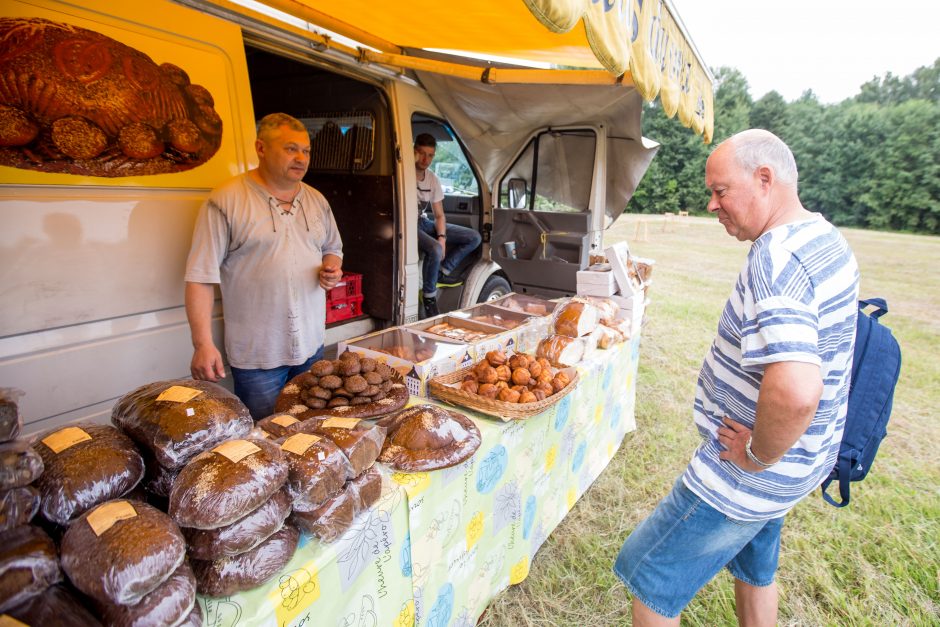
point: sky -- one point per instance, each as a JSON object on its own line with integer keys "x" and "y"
{"x": 829, "y": 46}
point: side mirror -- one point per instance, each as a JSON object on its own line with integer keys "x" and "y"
{"x": 518, "y": 194}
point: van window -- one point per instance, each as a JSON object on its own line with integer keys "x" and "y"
{"x": 341, "y": 141}
{"x": 450, "y": 163}
{"x": 556, "y": 169}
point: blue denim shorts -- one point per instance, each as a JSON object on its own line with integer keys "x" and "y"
{"x": 685, "y": 542}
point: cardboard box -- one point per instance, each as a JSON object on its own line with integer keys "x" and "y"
{"x": 527, "y": 329}
{"x": 417, "y": 356}
{"x": 494, "y": 337}
{"x": 618, "y": 255}
{"x": 631, "y": 307}
{"x": 597, "y": 280}
{"x": 524, "y": 303}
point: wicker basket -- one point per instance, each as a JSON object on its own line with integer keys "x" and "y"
{"x": 441, "y": 388}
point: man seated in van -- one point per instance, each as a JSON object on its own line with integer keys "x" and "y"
{"x": 272, "y": 244}
{"x": 444, "y": 245}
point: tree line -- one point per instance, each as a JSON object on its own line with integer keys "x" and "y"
{"x": 871, "y": 161}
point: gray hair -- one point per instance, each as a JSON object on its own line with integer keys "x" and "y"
{"x": 273, "y": 121}
{"x": 756, "y": 147}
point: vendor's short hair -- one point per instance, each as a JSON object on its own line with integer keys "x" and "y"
{"x": 425, "y": 139}
{"x": 273, "y": 121}
{"x": 756, "y": 147}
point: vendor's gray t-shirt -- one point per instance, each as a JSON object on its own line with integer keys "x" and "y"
{"x": 267, "y": 262}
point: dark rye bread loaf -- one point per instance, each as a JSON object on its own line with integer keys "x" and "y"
{"x": 28, "y": 565}
{"x": 228, "y": 575}
{"x": 9, "y": 413}
{"x": 242, "y": 535}
{"x": 368, "y": 487}
{"x": 360, "y": 441}
{"x": 318, "y": 470}
{"x": 427, "y": 437}
{"x": 121, "y": 551}
{"x": 19, "y": 464}
{"x": 55, "y": 606}
{"x": 168, "y": 604}
{"x": 332, "y": 519}
{"x": 178, "y": 419}
{"x": 195, "y": 617}
{"x": 85, "y": 464}
{"x": 279, "y": 425}
{"x": 220, "y": 486}
{"x": 18, "y": 506}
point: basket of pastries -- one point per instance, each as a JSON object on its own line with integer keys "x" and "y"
{"x": 509, "y": 387}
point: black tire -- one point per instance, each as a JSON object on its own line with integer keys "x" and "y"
{"x": 495, "y": 287}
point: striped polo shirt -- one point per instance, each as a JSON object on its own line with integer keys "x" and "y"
{"x": 795, "y": 300}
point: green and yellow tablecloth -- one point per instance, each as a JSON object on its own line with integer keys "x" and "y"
{"x": 439, "y": 546}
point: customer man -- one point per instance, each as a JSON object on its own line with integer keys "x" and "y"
{"x": 771, "y": 397}
{"x": 271, "y": 243}
{"x": 444, "y": 245}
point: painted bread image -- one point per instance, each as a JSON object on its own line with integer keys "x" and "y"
{"x": 75, "y": 101}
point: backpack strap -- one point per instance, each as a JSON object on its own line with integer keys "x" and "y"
{"x": 845, "y": 471}
{"x": 880, "y": 305}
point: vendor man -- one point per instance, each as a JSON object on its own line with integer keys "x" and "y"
{"x": 444, "y": 245}
{"x": 271, "y": 243}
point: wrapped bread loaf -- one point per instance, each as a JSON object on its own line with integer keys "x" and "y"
{"x": 85, "y": 465}
{"x": 561, "y": 351}
{"x": 52, "y": 607}
{"x": 168, "y": 604}
{"x": 19, "y": 464}
{"x": 228, "y": 575}
{"x": 9, "y": 413}
{"x": 176, "y": 420}
{"x": 121, "y": 551}
{"x": 333, "y": 518}
{"x": 194, "y": 619}
{"x": 360, "y": 442}
{"x": 368, "y": 489}
{"x": 427, "y": 437}
{"x": 279, "y": 425}
{"x": 220, "y": 486}
{"x": 607, "y": 309}
{"x": 318, "y": 470}
{"x": 18, "y": 506}
{"x": 28, "y": 565}
{"x": 575, "y": 318}
{"x": 242, "y": 535}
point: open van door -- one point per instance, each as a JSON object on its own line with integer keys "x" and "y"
{"x": 560, "y": 163}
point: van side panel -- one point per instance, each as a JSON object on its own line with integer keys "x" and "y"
{"x": 91, "y": 267}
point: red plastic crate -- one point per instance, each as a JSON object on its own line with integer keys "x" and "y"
{"x": 349, "y": 286}
{"x": 343, "y": 309}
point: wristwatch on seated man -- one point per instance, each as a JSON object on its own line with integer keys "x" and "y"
{"x": 442, "y": 235}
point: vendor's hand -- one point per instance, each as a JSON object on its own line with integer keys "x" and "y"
{"x": 330, "y": 275}
{"x": 734, "y": 436}
{"x": 207, "y": 364}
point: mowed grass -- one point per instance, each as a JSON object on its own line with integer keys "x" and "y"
{"x": 875, "y": 562}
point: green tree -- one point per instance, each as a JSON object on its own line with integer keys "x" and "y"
{"x": 769, "y": 113}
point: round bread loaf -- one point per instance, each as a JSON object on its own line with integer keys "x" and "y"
{"x": 19, "y": 464}
{"x": 121, "y": 551}
{"x": 168, "y": 604}
{"x": 28, "y": 565}
{"x": 85, "y": 464}
{"x": 18, "y": 506}
{"x": 52, "y": 607}
{"x": 359, "y": 441}
{"x": 220, "y": 486}
{"x": 228, "y": 575}
{"x": 195, "y": 617}
{"x": 332, "y": 519}
{"x": 427, "y": 437}
{"x": 242, "y": 535}
{"x": 318, "y": 470}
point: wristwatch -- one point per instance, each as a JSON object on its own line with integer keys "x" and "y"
{"x": 440, "y": 235}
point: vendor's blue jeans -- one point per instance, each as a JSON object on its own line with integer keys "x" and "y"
{"x": 460, "y": 242}
{"x": 258, "y": 388}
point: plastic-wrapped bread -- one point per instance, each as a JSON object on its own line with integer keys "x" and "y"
{"x": 243, "y": 534}
{"x": 19, "y": 464}
{"x": 607, "y": 309}
{"x": 18, "y": 506}
{"x": 360, "y": 442}
{"x": 9, "y": 413}
{"x": 195, "y": 617}
{"x": 318, "y": 470}
{"x": 121, "y": 551}
{"x": 427, "y": 437}
{"x": 28, "y": 565}
{"x": 228, "y": 575}
{"x": 279, "y": 425}
{"x": 220, "y": 486}
{"x": 574, "y": 319}
{"x": 169, "y": 604}
{"x": 85, "y": 465}
{"x": 561, "y": 351}
{"x": 51, "y": 607}
{"x": 332, "y": 519}
{"x": 176, "y": 420}
{"x": 368, "y": 489}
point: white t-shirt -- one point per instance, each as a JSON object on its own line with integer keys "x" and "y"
{"x": 795, "y": 300}
{"x": 429, "y": 192}
{"x": 267, "y": 262}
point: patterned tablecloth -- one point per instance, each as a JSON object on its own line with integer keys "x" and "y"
{"x": 439, "y": 546}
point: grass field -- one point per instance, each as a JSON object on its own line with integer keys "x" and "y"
{"x": 875, "y": 562}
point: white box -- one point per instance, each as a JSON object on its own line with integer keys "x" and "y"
{"x": 618, "y": 255}
{"x": 594, "y": 283}
{"x": 631, "y": 307}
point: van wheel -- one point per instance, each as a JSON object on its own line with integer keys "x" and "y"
{"x": 495, "y": 287}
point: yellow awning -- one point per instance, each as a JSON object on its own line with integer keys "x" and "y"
{"x": 645, "y": 47}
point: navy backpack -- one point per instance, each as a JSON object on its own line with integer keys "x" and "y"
{"x": 875, "y": 370}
